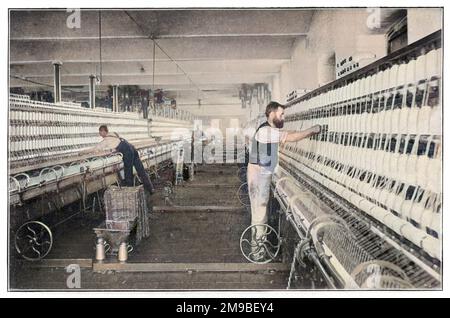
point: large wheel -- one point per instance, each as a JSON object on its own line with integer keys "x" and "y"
{"x": 33, "y": 240}
{"x": 378, "y": 274}
{"x": 260, "y": 243}
{"x": 242, "y": 195}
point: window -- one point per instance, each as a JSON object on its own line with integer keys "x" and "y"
{"x": 397, "y": 36}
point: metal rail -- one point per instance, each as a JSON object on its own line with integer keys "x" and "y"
{"x": 367, "y": 233}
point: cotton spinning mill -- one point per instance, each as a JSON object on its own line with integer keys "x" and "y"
{"x": 355, "y": 205}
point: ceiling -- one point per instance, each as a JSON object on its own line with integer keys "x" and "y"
{"x": 196, "y": 51}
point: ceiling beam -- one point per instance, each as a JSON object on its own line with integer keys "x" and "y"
{"x": 233, "y": 48}
{"x": 146, "y": 74}
{"x": 169, "y": 36}
{"x": 196, "y": 22}
{"x": 161, "y": 81}
{"x": 150, "y": 60}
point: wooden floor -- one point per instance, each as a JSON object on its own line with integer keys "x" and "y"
{"x": 55, "y": 279}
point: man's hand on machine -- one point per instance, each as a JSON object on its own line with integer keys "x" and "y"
{"x": 316, "y": 129}
{"x": 94, "y": 152}
{"x": 84, "y": 152}
{"x": 295, "y": 136}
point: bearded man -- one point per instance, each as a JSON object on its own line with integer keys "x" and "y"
{"x": 263, "y": 159}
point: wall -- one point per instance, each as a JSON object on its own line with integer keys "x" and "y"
{"x": 344, "y": 32}
{"x": 332, "y": 32}
{"x": 423, "y": 21}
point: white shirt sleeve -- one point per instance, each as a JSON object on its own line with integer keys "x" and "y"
{"x": 271, "y": 135}
{"x": 249, "y": 132}
{"x": 107, "y": 143}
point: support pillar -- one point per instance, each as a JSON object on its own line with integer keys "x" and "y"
{"x": 57, "y": 81}
{"x": 115, "y": 98}
{"x": 92, "y": 91}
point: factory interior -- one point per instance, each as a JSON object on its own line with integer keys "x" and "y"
{"x": 356, "y": 205}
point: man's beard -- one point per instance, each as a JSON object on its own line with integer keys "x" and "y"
{"x": 278, "y": 123}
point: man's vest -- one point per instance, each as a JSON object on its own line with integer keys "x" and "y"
{"x": 263, "y": 154}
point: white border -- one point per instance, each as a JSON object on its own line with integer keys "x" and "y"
{"x": 197, "y": 3}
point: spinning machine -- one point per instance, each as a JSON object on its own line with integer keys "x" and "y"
{"x": 364, "y": 197}
{"x": 46, "y": 174}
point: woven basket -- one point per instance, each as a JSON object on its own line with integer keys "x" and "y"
{"x": 124, "y": 206}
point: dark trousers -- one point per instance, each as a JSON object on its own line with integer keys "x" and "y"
{"x": 131, "y": 159}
